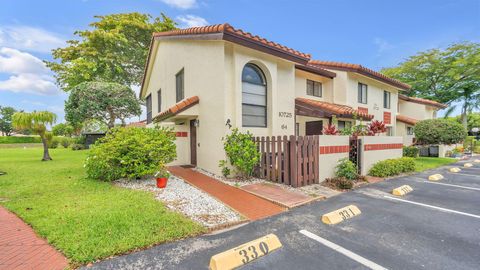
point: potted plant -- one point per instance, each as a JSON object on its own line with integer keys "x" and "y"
{"x": 162, "y": 177}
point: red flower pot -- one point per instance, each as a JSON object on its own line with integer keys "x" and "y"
{"x": 162, "y": 182}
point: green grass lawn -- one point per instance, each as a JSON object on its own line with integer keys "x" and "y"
{"x": 83, "y": 218}
{"x": 426, "y": 163}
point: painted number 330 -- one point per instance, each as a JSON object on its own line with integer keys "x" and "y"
{"x": 251, "y": 253}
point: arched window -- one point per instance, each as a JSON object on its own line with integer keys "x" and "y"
{"x": 254, "y": 97}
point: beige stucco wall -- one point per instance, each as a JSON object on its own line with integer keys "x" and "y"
{"x": 212, "y": 71}
{"x": 402, "y": 131}
{"x": 301, "y": 120}
{"x": 327, "y": 162}
{"x": 301, "y": 85}
{"x": 416, "y": 110}
{"x": 369, "y": 158}
{"x": 280, "y": 76}
{"x": 444, "y": 148}
{"x": 202, "y": 79}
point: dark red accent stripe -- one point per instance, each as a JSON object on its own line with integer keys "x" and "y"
{"x": 181, "y": 134}
{"x": 382, "y": 146}
{"x": 334, "y": 149}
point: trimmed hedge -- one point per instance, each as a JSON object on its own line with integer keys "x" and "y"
{"x": 26, "y": 139}
{"x": 391, "y": 167}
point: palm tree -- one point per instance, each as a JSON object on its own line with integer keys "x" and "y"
{"x": 37, "y": 122}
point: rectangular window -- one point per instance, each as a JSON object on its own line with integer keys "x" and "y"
{"x": 386, "y": 99}
{"x": 314, "y": 88}
{"x": 180, "y": 85}
{"x": 149, "y": 109}
{"x": 297, "y": 129}
{"x": 159, "y": 100}
{"x": 344, "y": 124}
{"x": 409, "y": 130}
{"x": 362, "y": 93}
{"x": 389, "y": 131}
{"x": 254, "y": 105}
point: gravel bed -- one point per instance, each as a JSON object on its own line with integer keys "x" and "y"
{"x": 182, "y": 197}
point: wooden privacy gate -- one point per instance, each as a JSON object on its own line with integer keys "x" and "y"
{"x": 288, "y": 160}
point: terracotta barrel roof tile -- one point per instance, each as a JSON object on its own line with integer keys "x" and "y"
{"x": 337, "y": 109}
{"x": 360, "y": 69}
{"x": 423, "y": 101}
{"x": 406, "y": 119}
{"x": 177, "y": 108}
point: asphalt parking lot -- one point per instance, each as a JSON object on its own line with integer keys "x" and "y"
{"x": 436, "y": 226}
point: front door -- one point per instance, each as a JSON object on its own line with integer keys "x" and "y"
{"x": 313, "y": 128}
{"x": 193, "y": 143}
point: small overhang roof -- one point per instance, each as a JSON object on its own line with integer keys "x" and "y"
{"x": 329, "y": 109}
{"x": 177, "y": 108}
{"x": 406, "y": 119}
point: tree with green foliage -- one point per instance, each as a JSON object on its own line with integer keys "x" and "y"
{"x": 103, "y": 101}
{"x": 63, "y": 129}
{"x": 6, "y": 114}
{"x": 114, "y": 50}
{"x": 439, "y": 131}
{"x": 37, "y": 122}
{"x": 449, "y": 76}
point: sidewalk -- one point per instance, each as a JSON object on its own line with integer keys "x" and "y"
{"x": 21, "y": 248}
{"x": 247, "y": 204}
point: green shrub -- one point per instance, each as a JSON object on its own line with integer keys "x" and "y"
{"x": 65, "y": 142}
{"x": 130, "y": 153}
{"x": 25, "y": 139}
{"x": 242, "y": 152}
{"x": 391, "y": 167}
{"x": 439, "y": 131}
{"x": 77, "y": 146}
{"x": 225, "y": 169}
{"x": 345, "y": 168}
{"x": 410, "y": 151}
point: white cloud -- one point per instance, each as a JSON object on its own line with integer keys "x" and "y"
{"x": 187, "y": 21}
{"x": 29, "y": 38}
{"x": 27, "y": 73}
{"x": 17, "y": 62}
{"x": 29, "y": 83}
{"x": 183, "y": 4}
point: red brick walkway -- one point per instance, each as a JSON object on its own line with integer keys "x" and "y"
{"x": 21, "y": 248}
{"x": 247, "y": 204}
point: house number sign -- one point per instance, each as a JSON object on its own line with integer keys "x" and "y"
{"x": 285, "y": 114}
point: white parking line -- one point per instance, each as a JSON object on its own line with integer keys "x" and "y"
{"x": 450, "y": 185}
{"x": 466, "y": 174}
{"x": 344, "y": 251}
{"x": 434, "y": 207}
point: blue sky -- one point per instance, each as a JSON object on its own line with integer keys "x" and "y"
{"x": 375, "y": 34}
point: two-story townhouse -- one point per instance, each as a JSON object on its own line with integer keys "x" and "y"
{"x": 202, "y": 81}
{"x": 410, "y": 111}
{"x": 369, "y": 92}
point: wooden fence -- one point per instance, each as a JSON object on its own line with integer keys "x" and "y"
{"x": 289, "y": 160}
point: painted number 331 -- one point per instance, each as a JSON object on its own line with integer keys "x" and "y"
{"x": 348, "y": 213}
{"x": 251, "y": 252}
